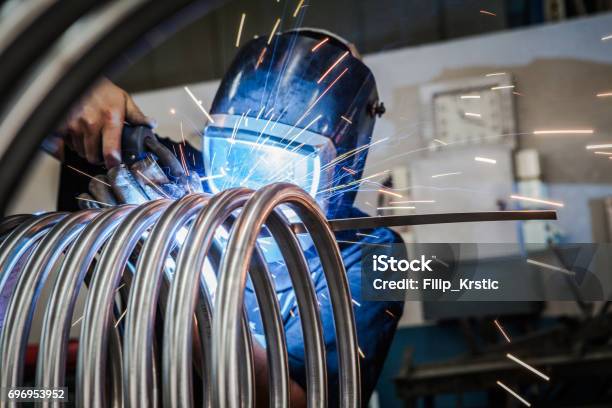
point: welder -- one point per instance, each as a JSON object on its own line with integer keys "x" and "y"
{"x": 300, "y": 108}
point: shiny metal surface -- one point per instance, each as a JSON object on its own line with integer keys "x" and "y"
{"x": 58, "y": 317}
{"x": 97, "y": 318}
{"x": 15, "y": 331}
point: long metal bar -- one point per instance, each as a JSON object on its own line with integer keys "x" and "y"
{"x": 344, "y": 224}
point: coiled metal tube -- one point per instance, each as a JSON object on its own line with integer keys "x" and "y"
{"x": 91, "y": 368}
{"x": 58, "y": 315}
{"x": 16, "y": 329}
{"x": 118, "y": 363}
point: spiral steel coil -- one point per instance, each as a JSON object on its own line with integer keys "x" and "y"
{"x": 171, "y": 328}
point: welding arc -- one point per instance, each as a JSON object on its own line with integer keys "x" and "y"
{"x": 146, "y": 353}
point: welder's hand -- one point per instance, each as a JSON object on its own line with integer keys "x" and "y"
{"x": 93, "y": 129}
{"x": 159, "y": 175}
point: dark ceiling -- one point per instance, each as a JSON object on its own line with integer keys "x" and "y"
{"x": 202, "y": 50}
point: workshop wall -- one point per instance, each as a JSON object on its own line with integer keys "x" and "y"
{"x": 558, "y": 69}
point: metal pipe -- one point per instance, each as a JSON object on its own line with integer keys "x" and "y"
{"x": 177, "y": 341}
{"x": 140, "y": 318}
{"x": 97, "y": 318}
{"x": 230, "y": 291}
{"x": 51, "y": 362}
{"x": 25, "y": 295}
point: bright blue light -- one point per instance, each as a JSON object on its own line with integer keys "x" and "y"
{"x": 248, "y": 163}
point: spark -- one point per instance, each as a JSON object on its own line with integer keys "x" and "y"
{"x": 396, "y": 208}
{"x": 599, "y": 146}
{"x": 360, "y": 352}
{"x": 77, "y": 321}
{"x": 485, "y": 160}
{"x": 536, "y": 200}
{"x": 502, "y": 331}
{"x": 120, "y": 317}
{"x": 261, "y": 133}
{"x": 363, "y": 243}
{"x": 330, "y": 69}
{"x": 351, "y": 171}
{"x": 353, "y": 152}
{"x": 172, "y": 111}
{"x": 564, "y": 132}
{"x": 606, "y": 38}
{"x": 606, "y": 153}
{"x": 240, "y": 29}
{"x": 184, "y": 162}
{"x": 361, "y": 180}
{"x": 93, "y": 201}
{"x": 88, "y": 175}
{"x": 441, "y": 262}
{"x": 346, "y": 119}
{"x": 513, "y": 393}
{"x": 387, "y": 311}
{"x": 495, "y": 74}
{"x": 604, "y": 94}
{"x": 391, "y": 193}
{"x": 297, "y": 9}
{"x": 153, "y": 184}
{"x": 446, "y": 174}
{"x": 551, "y": 267}
{"x": 312, "y": 122}
{"x": 260, "y": 112}
{"x": 320, "y": 43}
{"x": 413, "y": 202}
{"x": 216, "y": 176}
{"x": 488, "y": 13}
{"x": 441, "y": 142}
{"x": 261, "y": 57}
{"x": 527, "y": 366}
{"x": 356, "y": 303}
{"x": 278, "y": 20}
{"x": 361, "y": 234}
{"x": 321, "y": 96}
{"x": 199, "y": 104}
{"x": 470, "y": 96}
{"x": 496, "y": 88}
{"x": 473, "y": 115}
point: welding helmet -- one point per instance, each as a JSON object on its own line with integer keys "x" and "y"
{"x": 298, "y": 107}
